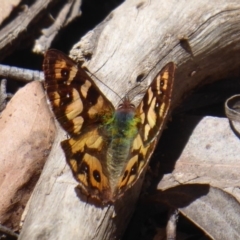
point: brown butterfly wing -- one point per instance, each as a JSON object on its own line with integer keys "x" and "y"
{"x": 75, "y": 99}
{"x": 139, "y": 157}
{"x": 154, "y": 107}
{"x": 79, "y": 105}
{"x": 86, "y": 155}
{"x": 152, "y": 111}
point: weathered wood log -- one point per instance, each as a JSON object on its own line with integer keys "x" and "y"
{"x": 12, "y": 33}
{"x": 132, "y": 44}
{"x": 30, "y": 18}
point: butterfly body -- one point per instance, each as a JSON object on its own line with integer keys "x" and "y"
{"x": 119, "y": 130}
{"x": 108, "y": 148}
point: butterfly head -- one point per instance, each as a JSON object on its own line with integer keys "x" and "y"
{"x": 126, "y": 105}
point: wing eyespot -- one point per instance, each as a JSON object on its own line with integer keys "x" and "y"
{"x": 162, "y": 83}
{"x": 133, "y": 169}
{"x": 84, "y": 169}
{"x": 97, "y": 176}
{"x": 65, "y": 73}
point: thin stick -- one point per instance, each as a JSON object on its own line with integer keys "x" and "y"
{"x": 21, "y": 74}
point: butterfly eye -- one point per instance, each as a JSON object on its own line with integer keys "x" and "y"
{"x": 97, "y": 176}
{"x": 132, "y": 105}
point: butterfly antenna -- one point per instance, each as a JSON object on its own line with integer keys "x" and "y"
{"x": 131, "y": 90}
{"x": 92, "y": 74}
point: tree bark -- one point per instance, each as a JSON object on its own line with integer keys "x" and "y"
{"x": 133, "y": 43}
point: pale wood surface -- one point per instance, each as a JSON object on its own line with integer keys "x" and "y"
{"x": 137, "y": 38}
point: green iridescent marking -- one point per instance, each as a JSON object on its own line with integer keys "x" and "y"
{"x": 121, "y": 124}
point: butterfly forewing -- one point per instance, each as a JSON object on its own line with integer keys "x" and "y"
{"x": 76, "y": 100}
{"x": 155, "y": 104}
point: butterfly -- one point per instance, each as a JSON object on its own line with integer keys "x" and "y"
{"x": 108, "y": 148}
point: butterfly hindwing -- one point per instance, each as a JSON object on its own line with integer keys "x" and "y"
{"x": 85, "y": 155}
{"x": 139, "y": 156}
